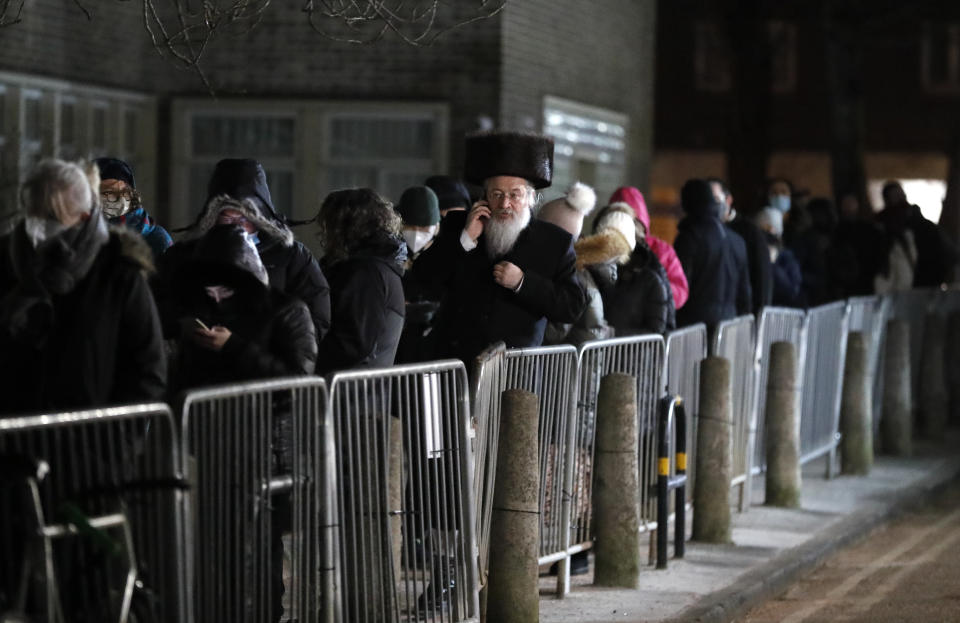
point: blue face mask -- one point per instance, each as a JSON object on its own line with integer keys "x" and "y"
{"x": 780, "y": 202}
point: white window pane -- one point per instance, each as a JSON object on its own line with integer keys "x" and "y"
{"x": 361, "y": 137}
{"x": 68, "y": 123}
{"x": 98, "y": 128}
{"x": 255, "y": 137}
{"x": 131, "y": 121}
{"x": 32, "y": 127}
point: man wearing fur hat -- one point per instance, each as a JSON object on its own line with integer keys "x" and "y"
{"x": 504, "y": 275}
{"x": 238, "y": 194}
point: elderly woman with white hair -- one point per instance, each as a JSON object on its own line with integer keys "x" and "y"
{"x": 78, "y": 325}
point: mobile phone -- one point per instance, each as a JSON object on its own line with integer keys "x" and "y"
{"x": 200, "y": 322}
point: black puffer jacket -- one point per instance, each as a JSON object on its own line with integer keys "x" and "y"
{"x": 272, "y": 333}
{"x": 714, "y": 259}
{"x": 366, "y": 292}
{"x": 98, "y": 344}
{"x": 640, "y": 300}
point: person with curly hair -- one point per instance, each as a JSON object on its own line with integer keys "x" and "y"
{"x": 363, "y": 260}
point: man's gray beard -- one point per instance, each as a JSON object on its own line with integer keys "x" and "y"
{"x": 500, "y": 236}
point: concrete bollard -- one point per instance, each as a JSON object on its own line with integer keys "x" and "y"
{"x": 616, "y": 493}
{"x": 895, "y": 425}
{"x": 513, "y": 593}
{"x": 711, "y": 492}
{"x": 856, "y": 409}
{"x": 395, "y": 481}
{"x": 952, "y": 363}
{"x": 933, "y": 390}
{"x": 782, "y": 427}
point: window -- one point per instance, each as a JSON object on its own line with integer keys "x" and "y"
{"x": 713, "y": 60}
{"x": 386, "y": 154}
{"x": 308, "y": 148}
{"x": 941, "y": 57}
{"x": 590, "y": 145}
{"x": 43, "y": 117}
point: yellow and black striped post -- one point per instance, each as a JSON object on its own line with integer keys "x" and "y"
{"x": 671, "y": 415}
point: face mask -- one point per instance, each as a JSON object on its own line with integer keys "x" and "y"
{"x": 40, "y": 229}
{"x": 416, "y": 240}
{"x": 219, "y": 293}
{"x": 780, "y": 202}
{"x": 115, "y": 209}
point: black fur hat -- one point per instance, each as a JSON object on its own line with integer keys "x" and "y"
{"x": 489, "y": 154}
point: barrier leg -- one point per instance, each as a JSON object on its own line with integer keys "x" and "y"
{"x": 896, "y": 426}
{"x": 513, "y": 593}
{"x": 783, "y": 428}
{"x": 856, "y": 419}
{"x": 616, "y": 493}
{"x": 711, "y": 517}
{"x": 933, "y": 391}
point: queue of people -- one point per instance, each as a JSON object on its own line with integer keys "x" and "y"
{"x": 99, "y": 306}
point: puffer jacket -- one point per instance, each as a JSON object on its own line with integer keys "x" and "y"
{"x": 665, "y": 253}
{"x": 272, "y": 333}
{"x": 639, "y": 301}
{"x": 366, "y": 293}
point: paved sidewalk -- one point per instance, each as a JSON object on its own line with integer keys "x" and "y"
{"x": 772, "y": 546}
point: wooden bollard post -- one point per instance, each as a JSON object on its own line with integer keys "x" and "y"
{"x": 856, "y": 409}
{"x": 782, "y": 428}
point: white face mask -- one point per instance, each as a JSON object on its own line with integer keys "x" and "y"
{"x": 417, "y": 240}
{"x": 219, "y": 293}
{"x": 40, "y": 229}
{"x": 115, "y": 209}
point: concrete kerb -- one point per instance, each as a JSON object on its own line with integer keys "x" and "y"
{"x": 775, "y": 576}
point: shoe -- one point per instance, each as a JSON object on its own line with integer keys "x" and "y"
{"x": 440, "y": 592}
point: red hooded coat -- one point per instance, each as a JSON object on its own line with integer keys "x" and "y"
{"x": 662, "y": 249}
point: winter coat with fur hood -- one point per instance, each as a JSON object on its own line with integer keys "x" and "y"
{"x": 75, "y": 339}
{"x": 366, "y": 292}
{"x": 290, "y": 265}
{"x": 638, "y": 299}
{"x": 272, "y": 333}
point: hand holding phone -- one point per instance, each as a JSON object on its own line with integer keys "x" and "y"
{"x": 477, "y": 217}
{"x": 201, "y": 325}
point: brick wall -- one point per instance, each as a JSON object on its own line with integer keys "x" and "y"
{"x": 597, "y": 53}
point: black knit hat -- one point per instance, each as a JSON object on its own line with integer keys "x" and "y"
{"x": 490, "y": 154}
{"x": 451, "y": 192}
{"x": 419, "y": 207}
{"x": 241, "y": 178}
{"x": 115, "y": 169}
{"x": 696, "y": 197}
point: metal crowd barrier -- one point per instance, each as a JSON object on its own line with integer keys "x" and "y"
{"x": 117, "y": 464}
{"x": 551, "y": 374}
{"x": 734, "y": 340}
{"x": 406, "y": 514}
{"x": 254, "y": 454}
{"x": 823, "y": 382}
{"x": 685, "y": 349}
{"x": 777, "y": 324}
{"x": 486, "y": 384}
{"x": 868, "y": 315}
{"x": 643, "y": 358}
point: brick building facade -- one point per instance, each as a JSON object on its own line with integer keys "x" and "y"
{"x": 324, "y": 114}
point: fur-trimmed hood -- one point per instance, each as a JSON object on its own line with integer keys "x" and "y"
{"x": 602, "y": 248}
{"x": 133, "y": 247}
{"x": 250, "y": 208}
